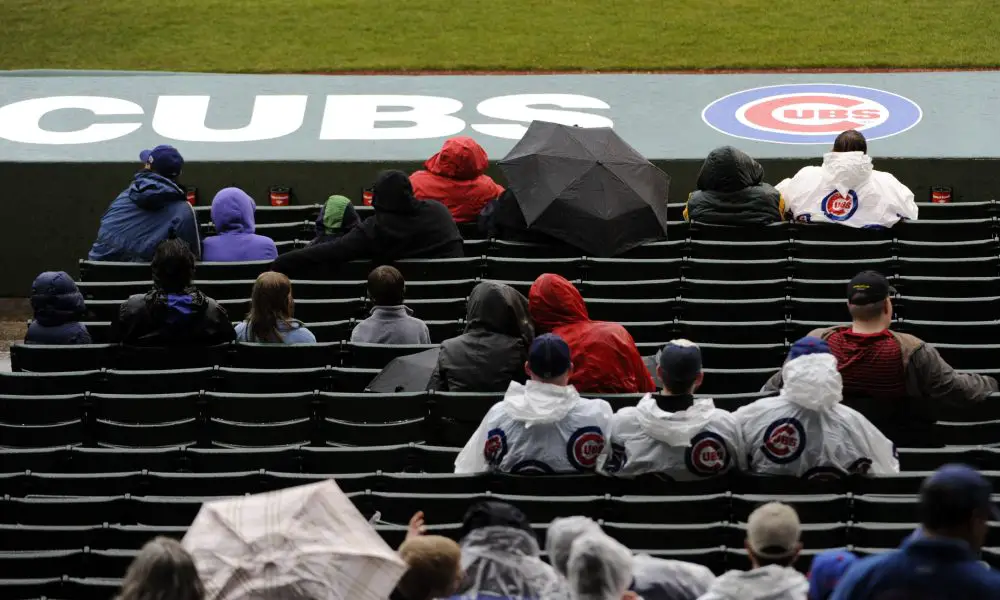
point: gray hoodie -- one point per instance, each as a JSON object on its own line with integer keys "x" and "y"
{"x": 391, "y": 325}
{"x": 772, "y": 582}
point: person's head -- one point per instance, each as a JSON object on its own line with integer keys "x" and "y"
{"x": 808, "y": 345}
{"x": 392, "y": 192}
{"x": 599, "y": 568}
{"x": 270, "y": 304}
{"x": 332, "y": 220}
{"x": 493, "y": 513}
{"x": 163, "y": 570}
{"x": 386, "y": 286}
{"x": 55, "y": 299}
{"x": 826, "y": 570}
{"x": 173, "y": 265}
{"x": 773, "y": 532}
{"x": 955, "y": 503}
{"x": 163, "y": 160}
{"x": 561, "y": 535}
{"x": 851, "y": 140}
{"x": 549, "y": 360}
{"x": 869, "y": 299}
{"x": 679, "y": 367}
{"x": 434, "y": 567}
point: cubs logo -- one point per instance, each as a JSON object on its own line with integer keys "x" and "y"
{"x": 496, "y": 447}
{"x": 784, "y": 440}
{"x": 618, "y": 459}
{"x": 707, "y": 455}
{"x": 838, "y": 207}
{"x": 532, "y": 467}
{"x": 584, "y": 446}
{"x": 823, "y": 474}
{"x": 862, "y": 466}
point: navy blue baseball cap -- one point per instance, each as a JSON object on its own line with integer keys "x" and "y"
{"x": 680, "y": 361}
{"x": 164, "y": 160}
{"x": 808, "y": 345}
{"x": 549, "y": 356}
{"x": 826, "y": 570}
{"x": 955, "y": 492}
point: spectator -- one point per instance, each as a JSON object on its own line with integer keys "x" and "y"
{"x": 391, "y": 322}
{"x": 233, "y": 214}
{"x": 456, "y": 177}
{"x": 501, "y": 557}
{"x": 826, "y": 570}
{"x": 599, "y": 568}
{"x": 402, "y": 227}
{"x": 174, "y": 312}
{"x": 700, "y": 441}
{"x": 731, "y": 192}
{"x": 163, "y": 570}
{"x": 270, "y": 320}
{"x": 491, "y": 352}
{"x": 336, "y": 218}
{"x": 772, "y": 543}
{"x": 503, "y": 219}
{"x": 805, "y": 431}
{"x": 847, "y": 190}
{"x": 434, "y": 568}
{"x": 58, "y": 306}
{"x": 147, "y": 212}
{"x": 941, "y": 562}
{"x": 605, "y": 358}
{"x": 543, "y": 426}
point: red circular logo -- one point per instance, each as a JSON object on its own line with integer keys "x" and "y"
{"x": 812, "y": 114}
{"x": 707, "y": 455}
{"x": 585, "y": 445}
{"x": 784, "y": 440}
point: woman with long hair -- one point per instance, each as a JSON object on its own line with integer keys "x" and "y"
{"x": 270, "y": 320}
{"x": 163, "y": 570}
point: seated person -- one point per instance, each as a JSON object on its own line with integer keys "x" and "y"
{"x": 233, "y": 214}
{"x": 174, "y": 312}
{"x": 491, "y": 352}
{"x": 700, "y": 441}
{"x": 336, "y": 218}
{"x": 543, "y": 426}
{"x": 599, "y": 568}
{"x": 402, "y": 227}
{"x": 731, "y": 192}
{"x": 391, "y": 322}
{"x": 805, "y": 431}
{"x": 456, "y": 177}
{"x": 605, "y": 359}
{"x": 434, "y": 568}
{"x": 149, "y": 211}
{"x": 58, "y": 306}
{"x": 270, "y": 320}
{"x": 847, "y": 190}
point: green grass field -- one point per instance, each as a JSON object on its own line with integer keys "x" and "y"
{"x": 341, "y": 35}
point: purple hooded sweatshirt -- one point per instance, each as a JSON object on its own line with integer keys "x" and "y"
{"x": 232, "y": 213}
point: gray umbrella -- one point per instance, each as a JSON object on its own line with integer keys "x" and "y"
{"x": 410, "y": 373}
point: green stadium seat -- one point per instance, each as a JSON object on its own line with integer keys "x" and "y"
{"x": 436, "y": 309}
{"x": 845, "y": 251}
{"x": 41, "y": 384}
{"x": 721, "y": 250}
{"x": 733, "y": 270}
{"x": 377, "y": 356}
{"x": 947, "y": 287}
{"x": 639, "y": 309}
{"x": 372, "y": 408}
{"x": 775, "y": 232}
{"x": 630, "y": 290}
{"x": 528, "y": 269}
{"x": 36, "y": 358}
{"x": 272, "y": 381}
{"x": 947, "y": 249}
{"x": 666, "y": 249}
{"x": 134, "y": 358}
{"x": 286, "y": 356}
{"x": 828, "y": 232}
{"x": 326, "y": 309}
{"x": 753, "y": 309}
{"x": 922, "y": 308}
{"x": 350, "y": 379}
{"x": 988, "y": 266}
{"x": 616, "y": 269}
{"x": 335, "y": 432}
{"x": 950, "y": 230}
{"x": 155, "y": 381}
{"x": 512, "y": 249}
{"x": 727, "y": 289}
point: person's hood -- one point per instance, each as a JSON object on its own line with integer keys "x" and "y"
{"x": 499, "y": 308}
{"x": 499, "y": 539}
{"x": 772, "y": 582}
{"x": 727, "y": 170}
{"x": 812, "y": 381}
{"x": 177, "y": 309}
{"x": 554, "y": 301}
{"x": 233, "y": 210}
{"x": 152, "y": 191}
{"x": 460, "y": 158}
{"x": 333, "y": 213}
{"x": 504, "y": 562}
{"x": 55, "y": 299}
{"x": 393, "y": 192}
{"x": 536, "y": 403}
{"x": 675, "y": 429}
{"x": 846, "y": 171}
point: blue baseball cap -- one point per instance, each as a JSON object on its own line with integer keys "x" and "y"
{"x": 549, "y": 356}
{"x": 680, "y": 361}
{"x": 827, "y": 569}
{"x": 808, "y": 345}
{"x": 164, "y": 160}
{"x": 954, "y": 492}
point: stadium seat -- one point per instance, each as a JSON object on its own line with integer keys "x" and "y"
{"x": 674, "y": 248}
{"x": 512, "y": 249}
{"x": 946, "y": 249}
{"x": 642, "y": 537}
{"x": 445, "y": 329}
{"x": 81, "y": 459}
{"x": 952, "y": 332}
{"x": 143, "y": 421}
{"x": 956, "y": 210}
{"x": 454, "y": 416}
{"x": 948, "y": 287}
{"x": 730, "y": 332}
{"x": 372, "y": 408}
{"x": 233, "y": 460}
{"x": 812, "y": 508}
{"x": 288, "y": 231}
{"x": 706, "y": 509}
{"x": 267, "y": 381}
{"x": 372, "y": 458}
{"x": 886, "y": 509}
{"x": 845, "y": 269}
{"x": 634, "y": 290}
{"x": 729, "y": 269}
{"x": 286, "y": 356}
{"x": 377, "y": 356}
{"x": 117, "y": 290}
{"x": 349, "y": 379}
{"x": 968, "y": 356}
{"x": 331, "y": 331}
{"x": 828, "y": 232}
{"x": 41, "y": 409}
{"x": 327, "y": 309}
{"x": 528, "y": 269}
{"x": 155, "y": 381}
{"x": 437, "y": 309}
{"x": 748, "y": 356}
{"x": 720, "y": 250}
{"x": 138, "y": 358}
{"x": 776, "y": 232}
{"x": 658, "y": 332}
{"x": 854, "y": 250}
{"x": 988, "y": 266}
{"x": 30, "y": 383}
{"x": 825, "y": 310}
{"x": 950, "y": 230}
{"x": 457, "y": 288}
{"x": 729, "y": 289}
{"x": 37, "y": 358}
{"x": 66, "y": 433}
{"x": 335, "y": 432}
{"x": 735, "y": 380}
{"x": 640, "y": 309}
{"x": 753, "y": 309}
{"x": 613, "y": 269}
{"x": 969, "y": 434}
{"x": 922, "y": 308}
{"x": 822, "y": 288}
{"x": 436, "y": 269}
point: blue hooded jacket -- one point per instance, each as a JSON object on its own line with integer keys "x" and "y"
{"x": 233, "y": 215}
{"x": 141, "y": 217}
{"x": 58, "y": 306}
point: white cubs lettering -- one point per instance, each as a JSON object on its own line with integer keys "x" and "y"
{"x": 520, "y": 107}
{"x": 183, "y": 118}
{"x": 21, "y": 121}
{"x": 355, "y": 117}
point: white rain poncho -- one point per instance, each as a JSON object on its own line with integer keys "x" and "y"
{"x": 772, "y": 582}
{"x": 599, "y": 568}
{"x": 805, "y": 431}
{"x": 505, "y": 562}
{"x": 561, "y": 535}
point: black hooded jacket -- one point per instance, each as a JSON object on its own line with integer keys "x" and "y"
{"x": 402, "y": 227}
{"x": 731, "y": 191}
{"x": 159, "y": 319}
{"x": 491, "y": 352}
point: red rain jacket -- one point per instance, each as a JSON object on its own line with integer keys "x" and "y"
{"x": 454, "y": 176}
{"x": 605, "y": 359}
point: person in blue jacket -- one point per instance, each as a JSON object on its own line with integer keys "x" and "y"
{"x": 58, "y": 307}
{"x": 145, "y": 213}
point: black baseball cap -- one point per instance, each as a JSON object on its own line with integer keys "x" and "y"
{"x": 868, "y": 287}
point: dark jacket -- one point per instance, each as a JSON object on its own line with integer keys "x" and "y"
{"x": 402, "y": 227}
{"x": 58, "y": 306}
{"x": 731, "y": 192}
{"x": 157, "y": 318}
{"x": 336, "y": 218}
{"x": 491, "y": 352}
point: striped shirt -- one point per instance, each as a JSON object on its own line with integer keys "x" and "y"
{"x": 871, "y": 364}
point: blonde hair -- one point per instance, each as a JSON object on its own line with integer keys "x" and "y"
{"x": 163, "y": 570}
{"x": 433, "y": 563}
{"x": 270, "y": 305}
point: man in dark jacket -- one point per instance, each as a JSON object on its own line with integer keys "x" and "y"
{"x": 148, "y": 212}
{"x": 402, "y": 227}
{"x": 491, "y": 352}
{"x": 58, "y": 306}
{"x": 731, "y": 192}
{"x": 173, "y": 313}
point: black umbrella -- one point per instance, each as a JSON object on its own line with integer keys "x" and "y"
{"x": 587, "y": 187}
{"x": 410, "y": 373}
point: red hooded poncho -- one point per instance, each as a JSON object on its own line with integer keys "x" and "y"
{"x": 605, "y": 359}
{"x": 454, "y": 176}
